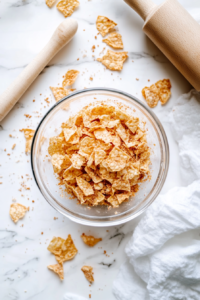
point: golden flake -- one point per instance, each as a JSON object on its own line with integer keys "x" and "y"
{"x": 88, "y": 273}
{"x": 90, "y": 240}
{"x": 116, "y": 160}
{"x": 50, "y": 3}
{"x": 161, "y": 90}
{"x": 151, "y": 95}
{"x": 104, "y": 25}
{"x": 99, "y": 155}
{"x": 66, "y": 7}
{"x": 122, "y": 196}
{"x": 58, "y": 269}
{"x": 60, "y": 162}
{"x": 28, "y": 133}
{"x": 62, "y": 249}
{"x": 114, "y": 40}
{"x": 113, "y": 60}
{"x": 59, "y": 92}
{"x": 96, "y": 198}
{"x": 70, "y": 77}
{"x": 85, "y": 186}
{"x": 17, "y": 211}
{"x": 78, "y": 161}
{"x": 113, "y": 200}
{"x": 71, "y": 173}
{"x": 93, "y": 175}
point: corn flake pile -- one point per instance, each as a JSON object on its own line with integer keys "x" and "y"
{"x": 161, "y": 90}
{"x": 101, "y": 156}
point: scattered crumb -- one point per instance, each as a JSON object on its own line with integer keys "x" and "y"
{"x": 27, "y": 116}
{"x": 47, "y": 100}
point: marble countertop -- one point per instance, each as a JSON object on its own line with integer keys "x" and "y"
{"x": 25, "y": 27}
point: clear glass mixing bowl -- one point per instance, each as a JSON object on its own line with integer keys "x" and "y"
{"x": 44, "y": 176}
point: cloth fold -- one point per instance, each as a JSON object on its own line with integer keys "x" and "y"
{"x": 163, "y": 255}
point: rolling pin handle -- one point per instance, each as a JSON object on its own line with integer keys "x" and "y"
{"x": 142, "y": 7}
{"x": 63, "y": 34}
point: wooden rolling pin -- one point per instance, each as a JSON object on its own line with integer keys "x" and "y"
{"x": 63, "y": 34}
{"x": 175, "y": 33}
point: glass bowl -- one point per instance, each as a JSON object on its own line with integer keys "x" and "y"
{"x": 55, "y": 195}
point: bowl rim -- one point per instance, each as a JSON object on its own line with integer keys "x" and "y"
{"x": 125, "y": 218}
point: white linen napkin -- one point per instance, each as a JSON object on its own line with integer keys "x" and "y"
{"x": 164, "y": 251}
{"x": 70, "y": 296}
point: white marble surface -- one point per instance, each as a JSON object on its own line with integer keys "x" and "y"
{"x": 25, "y": 27}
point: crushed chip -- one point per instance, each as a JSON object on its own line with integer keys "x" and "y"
{"x": 151, "y": 95}
{"x": 87, "y": 145}
{"x": 114, "y": 40}
{"x": 113, "y": 60}
{"x": 121, "y": 184}
{"x": 161, "y": 90}
{"x": 85, "y": 186}
{"x": 90, "y": 240}
{"x": 103, "y": 134}
{"x": 93, "y": 175}
{"x": 50, "y": 3}
{"x": 164, "y": 87}
{"x": 90, "y": 162}
{"x": 116, "y": 160}
{"x": 60, "y": 162}
{"x": 58, "y": 269}
{"x": 106, "y": 121}
{"x": 122, "y": 196}
{"x": 57, "y": 145}
{"x": 59, "y": 92}
{"x": 101, "y": 156}
{"x": 133, "y": 124}
{"x": 69, "y": 132}
{"x": 71, "y": 173}
{"x": 96, "y": 198}
{"x": 79, "y": 194}
{"x": 70, "y": 77}
{"x": 104, "y": 25}
{"x": 17, "y": 211}
{"x": 88, "y": 273}
{"x": 113, "y": 200}
{"x": 78, "y": 161}
{"x": 62, "y": 249}
{"x": 106, "y": 175}
{"x": 98, "y": 186}
{"x": 66, "y": 7}
{"x": 28, "y": 133}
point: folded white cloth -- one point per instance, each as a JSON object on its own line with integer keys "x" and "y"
{"x": 185, "y": 121}
{"x": 164, "y": 251}
{"x": 70, "y": 296}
